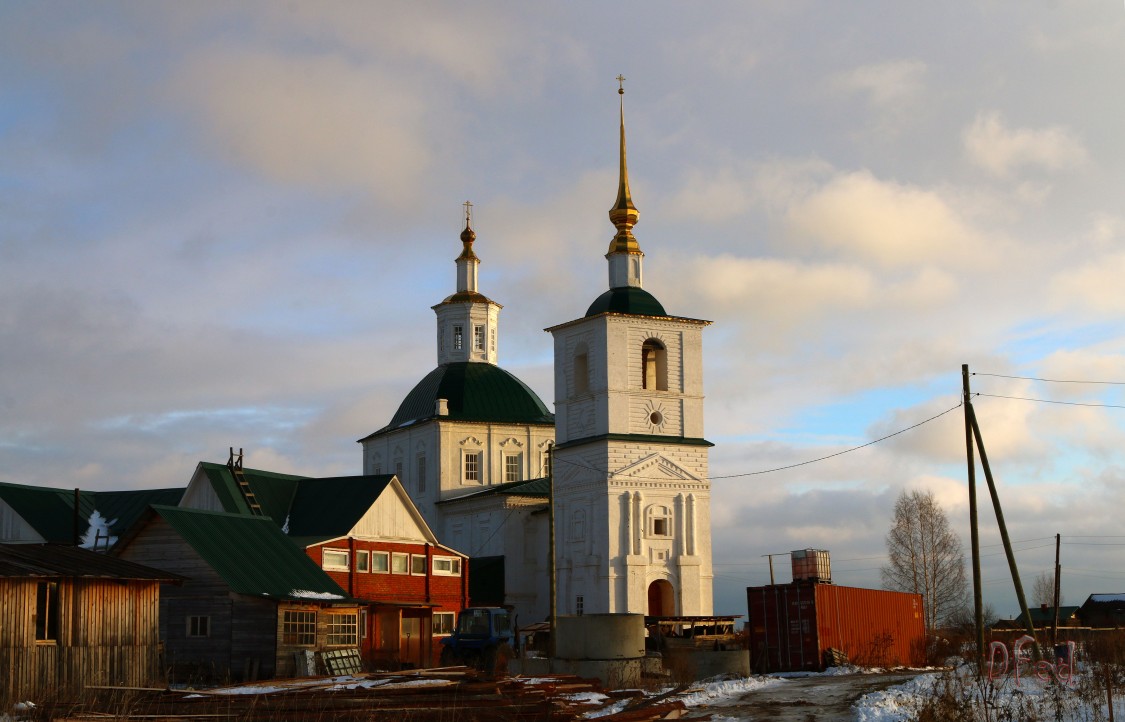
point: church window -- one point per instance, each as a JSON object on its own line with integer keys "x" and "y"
{"x": 458, "y": 335}
{"x": 660, "y": 521}
{"x": 421, "y": 473}
{"x": 581, "y": 370}
{"x": 472, "y": 468}
{"x": 654, "y": 366}
{"x": 512, "y": 464}
{"x": 398, "y": 469}
{"x": 492, "y": 339}
{"x": 478, "y": 338}
{"x": 578, "y": 525}
{"x": 546, "y": 464}
{"x": 579, "y": 604}
{"x": 441, "y": 336}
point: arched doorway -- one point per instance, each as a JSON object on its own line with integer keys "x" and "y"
{"x": 661, "y": 599}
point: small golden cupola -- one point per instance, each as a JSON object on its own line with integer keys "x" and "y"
{"x": 624, "y": 254}
{"x": 468, "y": 321}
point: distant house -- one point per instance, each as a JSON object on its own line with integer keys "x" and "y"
{"x": 253, "y": 606}
{"x": 70, "y": 617}
{"x": 44, "y": 514}
{"x": 367, "y": 535}
{"x": 1103, "y": 611}
{"x": 1043, "y": 617}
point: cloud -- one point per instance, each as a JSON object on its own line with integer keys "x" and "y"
{"x": 326, "y": 122}
{"x": 886, "y": 85}
{"x": 1000, "y": 150}
{"x": 1094, "y": 286}
{"x": 857, "y": 215}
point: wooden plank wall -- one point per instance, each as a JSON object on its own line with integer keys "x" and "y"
{"x": 107, "y": 634}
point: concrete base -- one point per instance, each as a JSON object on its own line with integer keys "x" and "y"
{"x": 687, "y": 664}
{"x": 613, "y": 673}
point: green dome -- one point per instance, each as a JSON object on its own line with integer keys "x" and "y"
{"x": 626, "y": 299}
{"x": 474, "y": 392}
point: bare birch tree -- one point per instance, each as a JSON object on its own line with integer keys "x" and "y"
{"x": 925, "y": 557}
{"x": 1043, "y": 590}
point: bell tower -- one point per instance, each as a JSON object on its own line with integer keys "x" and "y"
{"x": 632, "y": 492}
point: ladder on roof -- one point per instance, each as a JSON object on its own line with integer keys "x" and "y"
{"x": 235, "y": 466}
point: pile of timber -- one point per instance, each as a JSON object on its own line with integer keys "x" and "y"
{"x": 450, "y": 694}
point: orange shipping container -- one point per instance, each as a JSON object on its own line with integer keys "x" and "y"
{"x": 796, "y": 627}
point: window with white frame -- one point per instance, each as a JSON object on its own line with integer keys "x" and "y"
{"x": 418, "y": 564}
{"x": 447, "y": 566}
{"x": 472, "y": 467}
{"x": 478, "y": 338}
{"x": 458, "y": 337}
{"x": 380, "y": 562}
{"x": 362, "y": 560}
{"x": 512, "y": 466}
{"x": 199, "y": 626}
{"x": 444, "y": 623}
{"x": 335, "y": 559}
{"x": 400, "y": 563}
{"x": 298, "y": 627}
{"x": 659, "y": 521}
{"x": 493, "y": 336}
{"x": 342, "y": 629}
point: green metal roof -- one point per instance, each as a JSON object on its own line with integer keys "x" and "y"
{"x": 250, "y": 553}
{"x": 474, "y": 392}
{"x": 327, "y": 508}
{"x": 50, "y": 511}
{"x": 626, "y": 299}
{"x": 313, "y": 509}
{"x": 527, "y": 487}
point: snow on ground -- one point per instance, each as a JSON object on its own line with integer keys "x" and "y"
{"x": 721, "y": 691}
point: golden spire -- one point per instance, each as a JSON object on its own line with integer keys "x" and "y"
{"x": 624, "y": 214}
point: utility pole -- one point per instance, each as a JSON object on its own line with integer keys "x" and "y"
{"x": 551, "y": 571}
{"x": 1058, "y": 575}
{"x": 974, "y": 530}
{"x": 1008, "y": 552}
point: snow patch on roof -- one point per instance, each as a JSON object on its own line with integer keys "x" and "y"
{"x": 306, "y": 594}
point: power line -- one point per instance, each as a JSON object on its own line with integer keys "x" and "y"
{"x": 1052, "y": 381}
{"x": 802, "y": 463}
{"x": 1049, "y": 401}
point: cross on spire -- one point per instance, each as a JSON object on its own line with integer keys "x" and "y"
{"x": 468, "y": 213}
{"x": 620, "y": 84}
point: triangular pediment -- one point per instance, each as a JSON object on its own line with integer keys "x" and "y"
{"x": 655, "y": 467}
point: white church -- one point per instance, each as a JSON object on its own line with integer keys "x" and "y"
{"x": 474, "y": 446}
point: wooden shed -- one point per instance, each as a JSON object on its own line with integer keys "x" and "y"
{"x": 70, "y": 617}
{"x": 253, "y": 604}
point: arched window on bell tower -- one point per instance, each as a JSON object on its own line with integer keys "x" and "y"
{"x": 654, "y": 366}
{"x": 581, "y": 369}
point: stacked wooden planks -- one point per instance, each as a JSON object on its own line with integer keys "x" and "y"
{"x": 452, "y": 694}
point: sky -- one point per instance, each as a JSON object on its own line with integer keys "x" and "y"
{"x": 225, "y": 225}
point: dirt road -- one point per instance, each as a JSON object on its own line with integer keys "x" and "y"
{"x": 805, "y": 699}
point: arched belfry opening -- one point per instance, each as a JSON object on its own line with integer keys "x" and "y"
{"x": 654, "y": 366}
{"x": 661, "y": 599}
